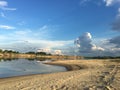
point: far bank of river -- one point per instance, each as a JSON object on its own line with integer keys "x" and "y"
{"x": 33, "y": 56}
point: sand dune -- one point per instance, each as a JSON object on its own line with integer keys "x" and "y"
{"x": 82, "y": 75}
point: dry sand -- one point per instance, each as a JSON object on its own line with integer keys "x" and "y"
{"x": 82, "y": 75}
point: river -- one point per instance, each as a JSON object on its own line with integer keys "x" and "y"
{"x": 18, "y": 67}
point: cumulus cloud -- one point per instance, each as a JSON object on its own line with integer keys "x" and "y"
{"x": 4, "y": 6}
{"x": 94, "y": 48}
{"x": 24, "y": 41}
{"x": 111, "y": 2}
{"x": 84, "y": 44}
{"x": 108, "y": 2}
{"x": 106, "y": 47}
{"x": 6, "y": 27}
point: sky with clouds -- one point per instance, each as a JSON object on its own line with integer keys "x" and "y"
{"x": 82, "y": 27}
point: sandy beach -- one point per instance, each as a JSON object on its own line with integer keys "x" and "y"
{"x": 81, "y": 75}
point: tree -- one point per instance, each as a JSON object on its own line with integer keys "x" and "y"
{"x": 30, "y": 52}
{"x": 41, "y": 53}
{"x": 1, "y": 50}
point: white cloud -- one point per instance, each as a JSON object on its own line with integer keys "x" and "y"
{"x": 28, "y": 34}
{"x": 118, "y": 16}
{"x": 6, "y": 27}
{"x": 111, "y": 46}
{"x": 24, "y": 41}
{"x": 94, "y": 47}
{"x": 111, "y": 2}
{"x": 23, "y": 32}
{"x": 4, "y": 6}
{"x": 9, "y": 9}
{"x": 28, "y": 40}
{"x": 108, "y": 2}
{"x": 45, "y": 31}
{"x": 85, "y": 44}
{"x": 35, "y": 44}
{"x": 104, "y": 47}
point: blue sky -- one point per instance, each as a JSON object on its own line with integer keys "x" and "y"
{"x": 27, "y": 25}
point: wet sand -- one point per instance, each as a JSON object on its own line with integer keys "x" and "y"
{"x": 81, "y": 75}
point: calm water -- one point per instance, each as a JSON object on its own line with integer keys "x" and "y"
{"x": 25, "y": 67}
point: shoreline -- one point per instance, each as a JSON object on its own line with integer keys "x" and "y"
{"x": 84, "y": 72}
{"x": 68, "y": 68}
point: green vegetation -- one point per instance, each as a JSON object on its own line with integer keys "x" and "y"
{"x": 41, "y": 53}
{"x": 30, "y": 52}
{"x": 8, "y": 51}
{"x": 9, "y": 54}
{"x": 16, "y": 52}
{"x": 38, "y": 53}
{"x": 6, "y": 54}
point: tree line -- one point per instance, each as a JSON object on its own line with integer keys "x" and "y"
{"x": 16, "y": 52}
{"x": 38, "y": 53}
{"x": 8, "y": 51}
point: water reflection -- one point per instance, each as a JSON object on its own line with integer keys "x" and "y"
{"x": 17, "y": 67}
{"x": 30, "y": 59}
{"x": 8, "y": 59}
